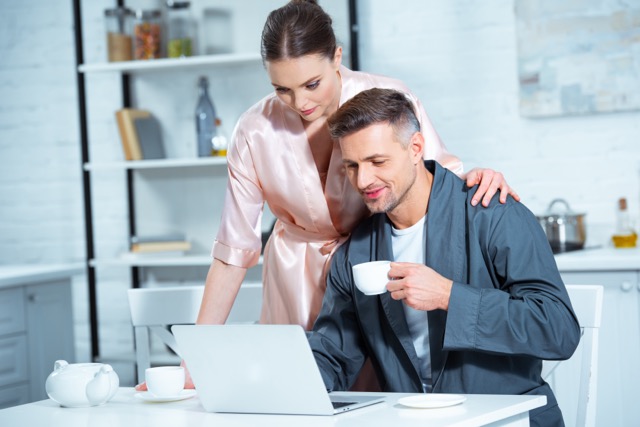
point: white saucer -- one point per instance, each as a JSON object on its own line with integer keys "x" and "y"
{"x": 148, "y": 397}
{"x": 432, "y": 400}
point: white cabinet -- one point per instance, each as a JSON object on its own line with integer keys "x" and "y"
{"x": 619, "y": 350}
{"x": 50, "y": 334}
{"x": 36, "y": 329}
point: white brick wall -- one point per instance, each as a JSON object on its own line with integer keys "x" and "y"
{"x": 459, "y": 56}
{"x": 41, "y": 208}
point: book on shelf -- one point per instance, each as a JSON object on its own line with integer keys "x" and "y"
{"x": 140, "y": 134}
{"x": 165, "y": 237}
{"x": 161, "y": 246}
{"x": 151, "y": 255}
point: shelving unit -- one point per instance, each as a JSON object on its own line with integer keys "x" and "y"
{"x": 179, "y": 261}
{"x": 171, "y": 63}
{"x": 145, "y": 174}
{"x": 213, "y": 166}
{"x": 158, "y": 164}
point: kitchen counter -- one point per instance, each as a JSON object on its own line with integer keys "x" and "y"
{"x": 36, "y": 327}
{"x": 599, "y": 259}
{"x": 12, "y": 275}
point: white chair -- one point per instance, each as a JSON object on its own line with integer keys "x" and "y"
{"x": 154, "y": 309}
{"x": 582, "y": 367}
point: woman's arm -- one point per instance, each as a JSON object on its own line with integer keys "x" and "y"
{"x": 220, "y": 291}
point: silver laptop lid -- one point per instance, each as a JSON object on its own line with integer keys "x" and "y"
{"x": 253, "y": 369}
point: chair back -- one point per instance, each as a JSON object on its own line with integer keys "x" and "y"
{"x": 582, "y": 367}
{"x": 155, "y": 309}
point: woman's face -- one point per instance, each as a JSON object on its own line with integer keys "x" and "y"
{"x": 309, "y": 85}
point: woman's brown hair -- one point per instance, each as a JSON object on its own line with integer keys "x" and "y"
{"x": 299, "y": 28}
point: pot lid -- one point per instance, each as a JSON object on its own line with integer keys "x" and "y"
{"x": 554, "y": 212}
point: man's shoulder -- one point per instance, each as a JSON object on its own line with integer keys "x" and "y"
{"x": 362, "y": 236}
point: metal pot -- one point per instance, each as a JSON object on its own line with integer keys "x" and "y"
{"x": 565, "y": 229}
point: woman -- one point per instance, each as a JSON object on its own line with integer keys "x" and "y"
{"x": 281, "y": 153}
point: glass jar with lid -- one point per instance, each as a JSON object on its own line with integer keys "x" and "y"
{"x": 147, "y": 34}
{"x": 180, "y": 29}
{"x": 118, "y": 26}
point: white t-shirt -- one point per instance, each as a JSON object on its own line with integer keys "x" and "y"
{"x": 408, "y": 246}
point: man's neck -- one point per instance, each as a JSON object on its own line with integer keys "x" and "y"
{"x": 415, "y": 206}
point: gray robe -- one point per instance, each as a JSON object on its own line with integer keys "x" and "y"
{"x": 509, "y": 308}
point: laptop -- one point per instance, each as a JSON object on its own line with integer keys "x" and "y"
{"x": 260, "y": 369}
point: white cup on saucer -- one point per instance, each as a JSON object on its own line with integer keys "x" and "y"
{"x": 372, "y": 277}
{"x": 165, "y": 381}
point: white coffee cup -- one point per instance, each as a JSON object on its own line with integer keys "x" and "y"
{"x": 165, "y": 381}
{"x": 372, "y": 277}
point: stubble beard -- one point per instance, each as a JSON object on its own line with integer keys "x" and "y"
{"x": 392, "y": 201}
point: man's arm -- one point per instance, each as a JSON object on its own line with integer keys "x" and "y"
{"x": 419, "y": 286}
{"x": 526, "y": 311}
{"x": 521, "y": 308}
{"x": 335, "y": 338}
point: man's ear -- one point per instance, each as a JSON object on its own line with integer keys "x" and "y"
{"x": 416, "y": 146}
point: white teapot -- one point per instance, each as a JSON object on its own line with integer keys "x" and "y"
{"x": 81, "y": 384}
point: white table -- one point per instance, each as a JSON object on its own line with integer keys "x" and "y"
{"x": 127, "y": 410}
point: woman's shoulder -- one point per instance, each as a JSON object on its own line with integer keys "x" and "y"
{"x": 363, "y": 81}
{"x": 262, "y": 111}
{"x": 261, "y": 120}
{"x": 263, "y": 125}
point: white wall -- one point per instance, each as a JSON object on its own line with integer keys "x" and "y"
{"x": 40, "y": 192}
{"x": 459, "y": 56}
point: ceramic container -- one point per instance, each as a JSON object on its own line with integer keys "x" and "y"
{"x": 79, "y": 385}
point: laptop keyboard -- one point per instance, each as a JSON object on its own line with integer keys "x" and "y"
{"x": 337, "y": 405}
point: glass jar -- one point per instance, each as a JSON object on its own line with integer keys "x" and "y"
{"x": 147, "y": 33}
{"x": 118, "y": 26}
{"x": 180, "y": 29}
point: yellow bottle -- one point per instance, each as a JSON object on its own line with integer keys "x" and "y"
{"x": 625, "y": 236}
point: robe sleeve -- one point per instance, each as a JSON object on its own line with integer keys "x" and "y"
{"x": 530, "y": 314}
{"x": 239, "y": 237}
{"x": 335, "y": 339}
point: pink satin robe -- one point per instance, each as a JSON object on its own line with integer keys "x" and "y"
{"x": 269, "y": 160}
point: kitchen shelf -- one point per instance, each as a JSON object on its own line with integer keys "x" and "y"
{"x": 159, "y": 261}
{"x": 157, "y": 164}
{"x": 169, "y": 63}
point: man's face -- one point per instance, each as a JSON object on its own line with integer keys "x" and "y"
{"x": 379, "y": 167}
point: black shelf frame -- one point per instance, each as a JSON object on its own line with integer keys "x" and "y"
{"x": 86, "y": 181}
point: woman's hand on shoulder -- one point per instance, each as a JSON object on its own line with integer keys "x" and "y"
{"x": 489, "y": 182}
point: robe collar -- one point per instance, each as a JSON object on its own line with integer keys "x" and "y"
{"x": 445, "y": 252}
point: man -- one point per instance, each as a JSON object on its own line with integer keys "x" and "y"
{"x": 476, "y": 301}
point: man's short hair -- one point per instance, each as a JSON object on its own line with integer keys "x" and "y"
{"x": 376, "y": 106}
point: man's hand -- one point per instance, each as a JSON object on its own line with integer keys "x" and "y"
{"x": 489, "y": 182}
{"x": 188, "y": 382}
{"x": 419, "y": 286}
